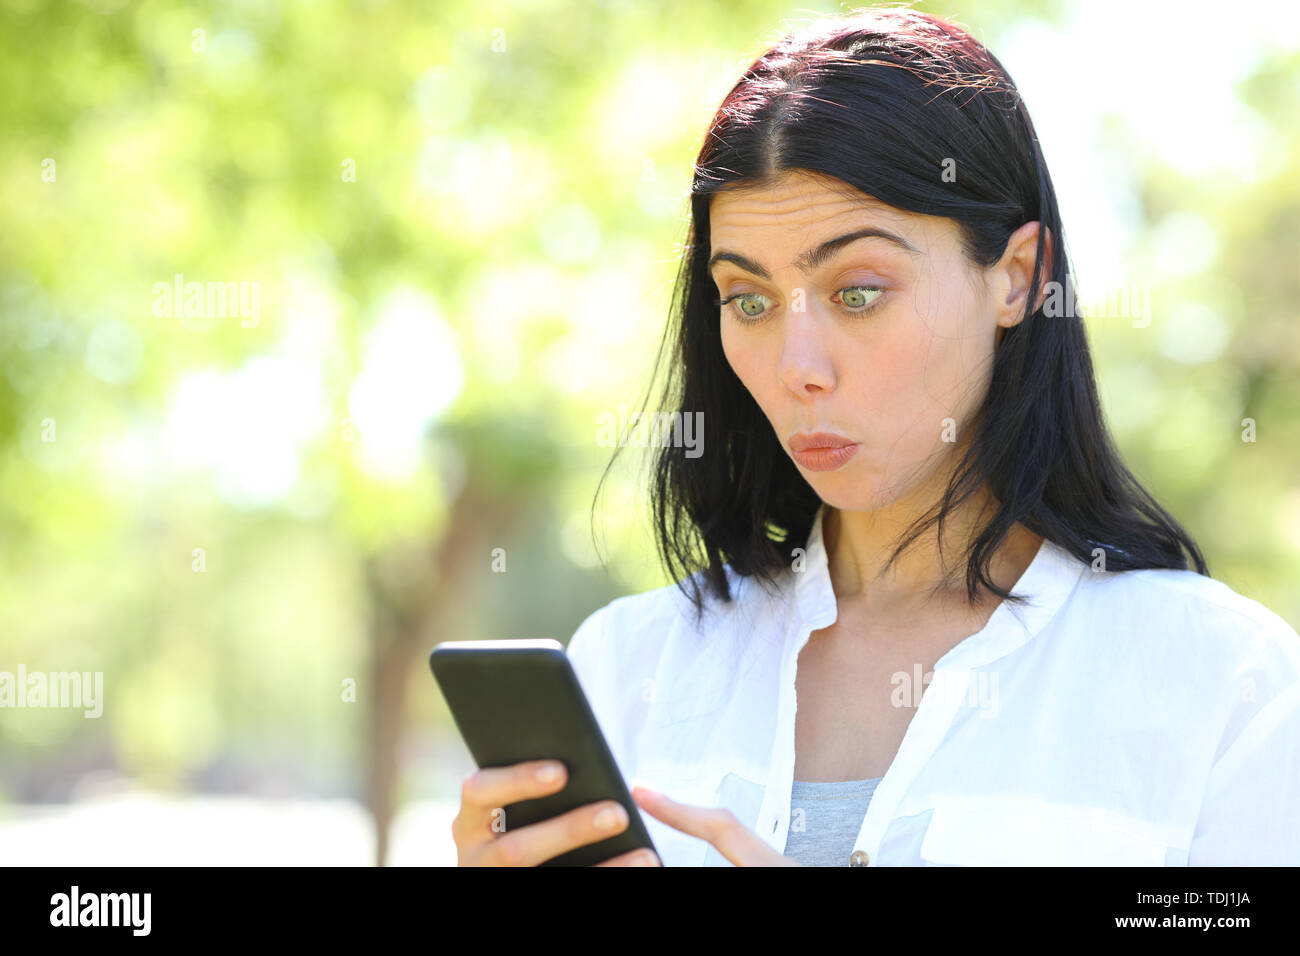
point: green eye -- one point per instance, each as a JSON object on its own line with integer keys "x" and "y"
{"x": 857, "y": 296}
{"x": 857, "y": 299}
{"x": 750, "y": 304}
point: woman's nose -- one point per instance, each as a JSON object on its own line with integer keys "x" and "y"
{"x": 805, "y": 365}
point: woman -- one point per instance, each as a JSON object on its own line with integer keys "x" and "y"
{"x": 924, "y": 614}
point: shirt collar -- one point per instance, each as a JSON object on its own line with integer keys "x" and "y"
{"x": 813, "y": 591}
{"x": 1046, "y": 584}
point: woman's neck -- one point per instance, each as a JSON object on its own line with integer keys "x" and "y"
{"x": 859, "y": 543}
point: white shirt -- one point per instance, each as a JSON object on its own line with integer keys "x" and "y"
{"x": 1126, "y": 718}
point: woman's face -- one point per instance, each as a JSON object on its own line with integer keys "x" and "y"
{"x": 885, "y": 342}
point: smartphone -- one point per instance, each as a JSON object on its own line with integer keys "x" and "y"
{"x": 520, "y": 700}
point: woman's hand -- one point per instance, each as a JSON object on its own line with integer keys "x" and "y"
{"x": 718, "y": 826}
{"x": 481, "y": 837}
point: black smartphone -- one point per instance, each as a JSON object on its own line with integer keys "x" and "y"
{"x": 520, "y": 700}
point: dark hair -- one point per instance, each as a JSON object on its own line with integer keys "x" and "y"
{"x": 921, "y": 93}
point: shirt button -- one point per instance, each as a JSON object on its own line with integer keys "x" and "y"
{"x": 859, "y": 858}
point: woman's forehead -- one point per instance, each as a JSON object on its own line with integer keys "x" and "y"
{"x": 801, "y": 212}
{"x": 798, "y": 195}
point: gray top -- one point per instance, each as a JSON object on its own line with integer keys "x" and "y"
{"x": 825, "y": 819}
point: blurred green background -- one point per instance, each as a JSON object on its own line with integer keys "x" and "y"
{"x": 456, "y": 225}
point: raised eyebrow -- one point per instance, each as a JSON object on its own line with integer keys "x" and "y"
{"x": 811, "y": 259}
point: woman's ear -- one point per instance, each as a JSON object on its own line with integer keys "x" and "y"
{"x": 1015, "y": 271}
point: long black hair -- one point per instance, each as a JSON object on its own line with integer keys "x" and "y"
{"x": 886, "y": 99}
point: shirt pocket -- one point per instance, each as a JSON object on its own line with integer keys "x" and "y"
{"x": 744, "y": 798}
{"x": 1020, "y": 831}
{"x": 674, "y": 847}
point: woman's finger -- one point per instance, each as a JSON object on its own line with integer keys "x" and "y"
{"x": 719, "y": 827}
{"x": 486, "y": 792}
{"x": 641, "y": 857}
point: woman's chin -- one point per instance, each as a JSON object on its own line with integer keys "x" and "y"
{"x": 852, "y": 493}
